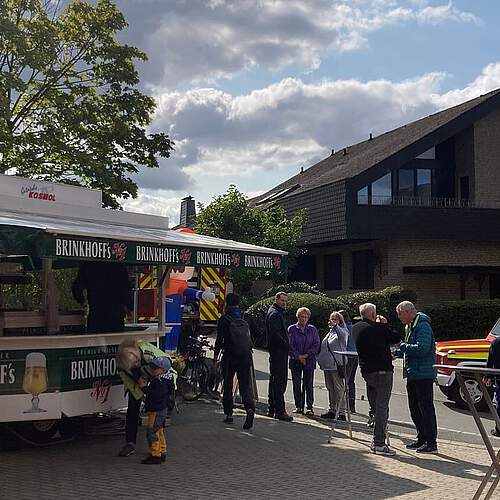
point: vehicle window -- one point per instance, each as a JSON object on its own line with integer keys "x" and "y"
{"x": 496, "y": 329}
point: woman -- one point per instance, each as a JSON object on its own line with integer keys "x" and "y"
{"x": 352, "y": 365}
{"x": 304, "y": 345}
{"x": 335, "y": 340}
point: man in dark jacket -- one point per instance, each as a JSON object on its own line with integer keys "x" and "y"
{"x": 373, "y": 342}
{"x": 278, "y": 345}
{"x": 419, "y": 352}
{"x": 494, "y": 362}
{"x": 235, "y": 359}
{"x": 109, "y": 295}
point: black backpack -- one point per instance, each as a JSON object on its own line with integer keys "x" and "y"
{"x": 240, "y": 340}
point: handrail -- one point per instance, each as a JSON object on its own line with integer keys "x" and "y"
{"x": 429, "y": 202}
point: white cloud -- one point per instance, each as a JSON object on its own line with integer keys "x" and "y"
{"x": 206, "y": 40}
{"x": 155, "y": 202}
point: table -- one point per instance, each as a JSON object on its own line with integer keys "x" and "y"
{"x": 478, "y": 372}
{"x": 345, "y": 395}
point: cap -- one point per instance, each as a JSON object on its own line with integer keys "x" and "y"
{"x": 162, "y": 362}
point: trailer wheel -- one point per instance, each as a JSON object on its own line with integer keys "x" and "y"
{"x": 37, "y": 431}
{"x": 475, "y": 392}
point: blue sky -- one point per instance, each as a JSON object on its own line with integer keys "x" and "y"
{"x": 251, "y": 90}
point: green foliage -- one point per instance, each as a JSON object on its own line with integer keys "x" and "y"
{"x": 69, "y": 107}
{"x": 230, "y": 216}
{"x": 292, "y": 287}
{"x": 28, "y": 297}
{"x": 321, "y": 306}
{"x": 467, "y": 319}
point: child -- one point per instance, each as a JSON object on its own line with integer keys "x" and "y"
{"x": 157, "y": 397}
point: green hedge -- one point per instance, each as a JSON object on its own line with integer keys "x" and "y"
{"x": 321, "y": 306}
{"x": 292, "y": 287}
{"x": 467, "y": 319}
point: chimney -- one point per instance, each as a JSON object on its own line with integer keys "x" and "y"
{"x": 371, "y": 136}
{"x": 188, "y": 212}
{"x": 301, "y": 170}
{"x": 345, "y": 151}
{"x": 333, "y": 151}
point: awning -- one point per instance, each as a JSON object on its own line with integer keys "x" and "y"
{"x": 79, "y": 239}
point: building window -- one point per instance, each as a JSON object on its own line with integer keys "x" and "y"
{"x": 406, "y": 183}
{"x": 382, "y": 191}
{"x": 304, "y": 270}
{"x": 362, "y": 270}
{"x": 363, "y": 196}
{"x": 333, "y": 272}
{"x": 464, "y": 188}
{"x": 424, "y": 182}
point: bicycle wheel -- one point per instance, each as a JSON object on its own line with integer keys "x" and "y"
{"x": 194, "y": 380}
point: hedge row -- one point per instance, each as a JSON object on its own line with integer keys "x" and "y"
{"x": 292, "y": 287}
{"x": 467, "y": 319}
{"x": 321, "y": 306}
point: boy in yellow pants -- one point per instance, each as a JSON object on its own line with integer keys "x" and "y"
{"x": 157, "y": 394}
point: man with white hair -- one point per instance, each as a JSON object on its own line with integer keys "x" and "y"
{"x": 419, "y": 353}
{"x": 373, "y": 340}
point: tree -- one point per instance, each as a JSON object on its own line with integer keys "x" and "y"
{"x": 69, "y": 107}
{"x": 231, "y": 216}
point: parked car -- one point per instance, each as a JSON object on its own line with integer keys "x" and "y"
{"x": 463, "y": 353}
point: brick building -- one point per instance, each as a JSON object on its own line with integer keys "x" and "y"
{"x": 417, "y": 206}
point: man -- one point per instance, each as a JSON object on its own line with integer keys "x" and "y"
{"x": 109, "y": 295}
{"x": 234, "y": 340}
{"x": 278, "y": 345}
{"x": 373, "y": 342}
{"x": 419, "y": 353}
{"x": 494, "y": 362}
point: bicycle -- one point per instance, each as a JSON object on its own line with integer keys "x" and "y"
{"x": 193, "y": 381}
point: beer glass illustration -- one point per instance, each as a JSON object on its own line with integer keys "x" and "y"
{"x": 35, "y": 379}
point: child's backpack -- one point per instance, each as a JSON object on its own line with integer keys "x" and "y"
{"x": 240, "y": 340}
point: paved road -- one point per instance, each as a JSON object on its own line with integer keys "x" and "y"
{"x": 454, "y": 423}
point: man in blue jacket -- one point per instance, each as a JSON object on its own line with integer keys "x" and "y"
{"x": 419, "y": 354}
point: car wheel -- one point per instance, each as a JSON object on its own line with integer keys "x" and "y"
{"x": 37, "y": 432}
{"x": 474, "y": 391}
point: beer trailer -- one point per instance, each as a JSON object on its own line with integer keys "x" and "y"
{"x": 50, "y": 369}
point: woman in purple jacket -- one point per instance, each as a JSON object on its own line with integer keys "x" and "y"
{"x": 304, "y": 345}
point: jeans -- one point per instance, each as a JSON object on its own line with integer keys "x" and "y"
{"x": 379, "y": 387}
{"x": 497, "y": 397}
{"x": 242, "y": 368}
{"x": 423, "y": 414}
{"x": 278, "y": 377}
{"x": 302, "y": 381}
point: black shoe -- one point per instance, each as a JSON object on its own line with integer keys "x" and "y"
{"x": 414, "y": 445}
{"x": 284, "y": 417}
{"x": 271, "y": 413}
{"x": 495, "y": 432}
{"x": 151, "y": 460}
{"x": 229, "y": 419}
{"x": 329, "y": 415}
{"x": 427, "y": 448}
{"x": 163, "y": 457}
{"x": 299, "y": 411}
{"x": 127, "y": 450}
{"x": 342, "y": 418}
{"x": 249, "y": 420}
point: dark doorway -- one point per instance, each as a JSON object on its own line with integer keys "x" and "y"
{"x": 464, "y": 188}
{"x": 304, "y": 270}
{"x": 494, "y": 286}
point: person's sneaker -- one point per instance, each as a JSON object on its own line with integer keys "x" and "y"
{"x": 163, "y": 457}
{"x": 127, "y": 450}
{"x": 284, "y": 417}
{"x": 329, "y": 415}
{"x": 495, "y": 432}
{"x": 249, "y": 420}
{"x": 414, "y": 445}
{"x": 309, "y": 412}
{"x": 371, "y": 421}
{"x": 229, "y": 419}
{"x": 342, "y": 417}
{"x": 383, "y": 450}
{"x": 427, "y": 448}
{"x": 271, "y": 413}
{"x": 298, "y": 411}
{"x": 151, "y": 460}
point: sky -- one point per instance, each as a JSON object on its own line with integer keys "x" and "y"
{"x": 254, "y": 90}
